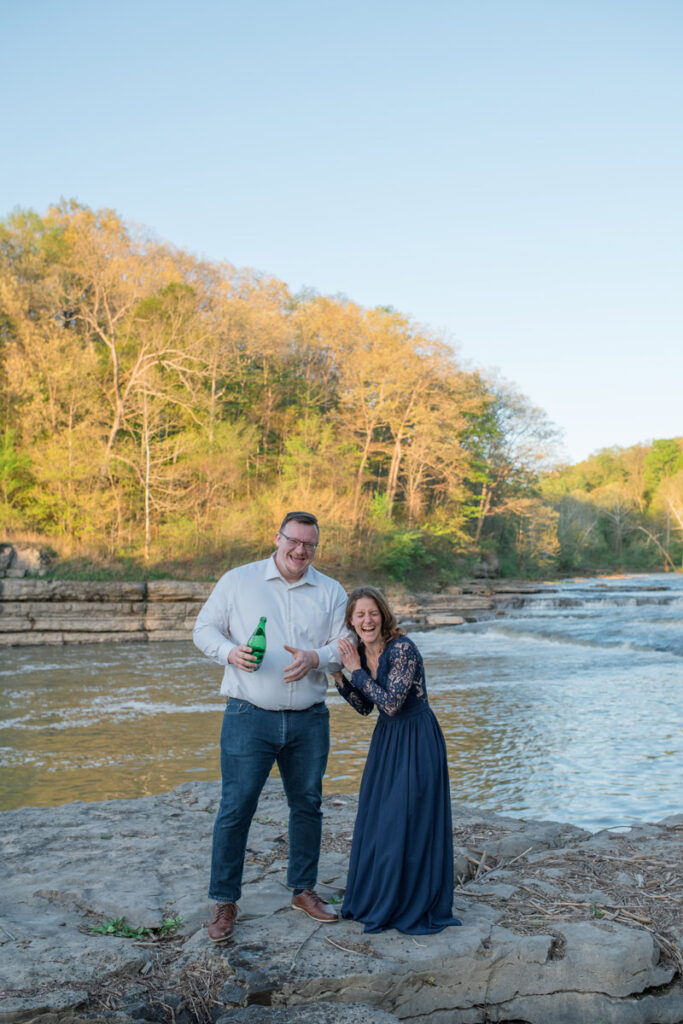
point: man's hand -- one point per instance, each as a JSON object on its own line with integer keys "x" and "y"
{"x": 242, "y": 658}
{"x": 303, "y": 662}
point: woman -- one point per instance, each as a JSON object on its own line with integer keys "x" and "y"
{"x": 401, "y": 867}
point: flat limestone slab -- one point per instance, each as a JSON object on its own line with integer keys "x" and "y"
{"x": 71, "y": 590}
{"x": 320, "y": 1013}
{"x": 530, "y": 947}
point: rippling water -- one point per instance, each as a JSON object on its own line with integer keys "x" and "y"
{"x": 569, "y": 707}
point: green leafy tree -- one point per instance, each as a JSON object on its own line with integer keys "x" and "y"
{"x": 664, "y": 459}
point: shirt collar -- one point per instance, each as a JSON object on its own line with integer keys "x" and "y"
{"x": 273, "y": 573}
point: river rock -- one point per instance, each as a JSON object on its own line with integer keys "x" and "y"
{"x": 21, "y": 559}
{"x": 532, "y": 947}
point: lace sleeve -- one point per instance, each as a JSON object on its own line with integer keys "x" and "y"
{"x": 404, "y": 669}
{"x": 363, "y": 705}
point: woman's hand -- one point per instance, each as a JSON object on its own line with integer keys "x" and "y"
{"x": 348, "y": 654}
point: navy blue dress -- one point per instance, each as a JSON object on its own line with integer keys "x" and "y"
{"x": 401, "y": 866}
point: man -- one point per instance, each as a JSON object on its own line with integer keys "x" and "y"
{"x": 275, "y": 714}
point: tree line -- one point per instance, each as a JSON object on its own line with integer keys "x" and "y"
{"x": 622, "y": 507}
{"x": 160, "y": 408}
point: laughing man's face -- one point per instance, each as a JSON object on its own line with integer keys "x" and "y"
{"x": 295, "y": 549}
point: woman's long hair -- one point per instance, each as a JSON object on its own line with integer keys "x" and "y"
{"x": 390, "y": 627}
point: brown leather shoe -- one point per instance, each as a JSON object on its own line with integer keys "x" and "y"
{"x": 314, "y": 906}
{"x": 223, "y": 921}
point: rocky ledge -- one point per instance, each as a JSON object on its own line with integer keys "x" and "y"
{"x": 559, "y": 926}
{"x": 34, "y": 611}
{"x": 40, "y": 611}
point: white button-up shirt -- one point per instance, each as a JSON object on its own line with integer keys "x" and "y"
{"x": 307, "y": 614}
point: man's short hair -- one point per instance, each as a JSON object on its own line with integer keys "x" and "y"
{"x": 307, "y": 518}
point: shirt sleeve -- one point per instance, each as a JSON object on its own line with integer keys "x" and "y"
{"x": 211, "y": 629}
{"x": 328, "y": 654}
{"x": 404, "y": 668}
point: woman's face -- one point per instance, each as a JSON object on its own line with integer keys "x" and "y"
{"x": 366, "y": 619}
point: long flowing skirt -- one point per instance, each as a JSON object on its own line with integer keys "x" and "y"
{"x": 401, "y": 867}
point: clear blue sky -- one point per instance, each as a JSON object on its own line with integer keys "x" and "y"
{"x": 506, "y": 171}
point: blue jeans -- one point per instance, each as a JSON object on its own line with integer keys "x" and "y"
{"x": 252, "y": 740}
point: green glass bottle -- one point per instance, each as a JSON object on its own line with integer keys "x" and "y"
{"x": 257, "y": 642}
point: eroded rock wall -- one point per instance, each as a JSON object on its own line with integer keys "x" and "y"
{"x": 40, "y": 611}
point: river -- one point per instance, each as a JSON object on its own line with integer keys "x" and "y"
{"x": 569, "y": 707}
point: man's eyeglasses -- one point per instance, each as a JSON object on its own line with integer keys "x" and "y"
{"x": 308, "y": 547}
